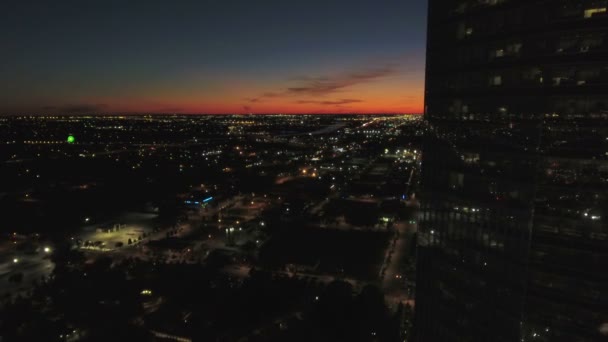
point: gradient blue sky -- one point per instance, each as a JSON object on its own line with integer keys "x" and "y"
{"x": 221, "y": 56}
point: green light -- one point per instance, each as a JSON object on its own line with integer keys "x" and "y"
{"x": 71, "y": 139}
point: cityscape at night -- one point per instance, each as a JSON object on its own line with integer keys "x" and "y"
{"x": 407, "y": 171}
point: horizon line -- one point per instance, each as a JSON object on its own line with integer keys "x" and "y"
{"x": 193, "y": 114}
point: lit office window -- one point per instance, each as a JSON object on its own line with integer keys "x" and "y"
{"x": 593, "y": 11}
{"x": 496, "y": 80}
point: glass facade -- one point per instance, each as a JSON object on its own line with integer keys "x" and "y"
{"x": 513, "y": 236}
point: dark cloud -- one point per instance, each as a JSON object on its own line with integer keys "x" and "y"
{"x": 309, "y": 78}
{"x": 77, "y": 108}
{"x": 332, "y": 103}
{"x": 322, "y": 86}
{"x": 268, "y": 95}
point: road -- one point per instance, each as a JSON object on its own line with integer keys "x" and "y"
{"x": 32, "y": 266}
{"x": 394, "y": 281}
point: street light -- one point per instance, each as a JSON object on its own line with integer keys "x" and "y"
{"x": 15, "y": 260}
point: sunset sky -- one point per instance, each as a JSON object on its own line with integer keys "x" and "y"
{"x": 212, "y": 56}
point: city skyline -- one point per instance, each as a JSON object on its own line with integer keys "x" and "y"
{"x": 197, "y": 58}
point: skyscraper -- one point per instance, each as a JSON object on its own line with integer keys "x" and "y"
{"x": 513, "y": 239}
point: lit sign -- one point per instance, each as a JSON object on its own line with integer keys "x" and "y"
{"x": 198, "y": 202}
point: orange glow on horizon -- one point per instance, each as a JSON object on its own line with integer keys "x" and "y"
{"x": 364, "y": 108}
{"x": 399, "y": 93}
{"x": 400, "y": 100}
